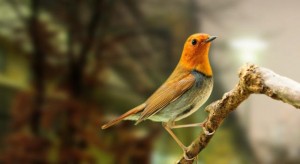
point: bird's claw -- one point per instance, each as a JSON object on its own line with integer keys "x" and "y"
{"x": 208, "y": 133}
{"x": 186, "y": 157}
{"x": 204, "y": 129}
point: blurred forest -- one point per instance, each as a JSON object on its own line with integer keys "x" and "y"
{"x": 67, "y": 67}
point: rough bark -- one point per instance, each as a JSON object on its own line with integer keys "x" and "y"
{"x": 253, "y": 79}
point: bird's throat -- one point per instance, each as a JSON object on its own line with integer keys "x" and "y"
{"x": 200, "y": 64}
{"x": 204, "y": 67}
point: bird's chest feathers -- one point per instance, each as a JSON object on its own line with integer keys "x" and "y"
{"x": 199, "y": 78}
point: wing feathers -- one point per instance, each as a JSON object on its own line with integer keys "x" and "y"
{"x": 167, "y": 93}
{"x": 130, "y": 112}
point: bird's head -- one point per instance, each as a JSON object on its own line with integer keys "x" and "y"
{"x": 195, "y": 53}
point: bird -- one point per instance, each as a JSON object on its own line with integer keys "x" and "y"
{"x": 183, "y": 93}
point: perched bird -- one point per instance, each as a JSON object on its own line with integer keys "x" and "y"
{"x": 186, "y": 89}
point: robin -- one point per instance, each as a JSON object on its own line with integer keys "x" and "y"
{"x": 183, "y": 93}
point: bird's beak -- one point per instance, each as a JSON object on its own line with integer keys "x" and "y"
{"x": 211, "y": 38}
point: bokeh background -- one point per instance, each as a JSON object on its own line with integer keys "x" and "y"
{"x": 67, "y": 67}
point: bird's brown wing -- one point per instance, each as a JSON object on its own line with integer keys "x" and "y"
{"x": 168, "y": 92}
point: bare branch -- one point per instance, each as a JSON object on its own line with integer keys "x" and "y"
{"x": 253, "y": 79}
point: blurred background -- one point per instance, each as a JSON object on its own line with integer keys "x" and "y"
{"x": 67, "y": 67}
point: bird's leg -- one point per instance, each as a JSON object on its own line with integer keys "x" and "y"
{"x": 201, "y": 124}
{"x": 167, "y": 127}
{"x": 183, "y": 147}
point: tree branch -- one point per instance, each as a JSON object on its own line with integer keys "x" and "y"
{"x": 253, "y": 79}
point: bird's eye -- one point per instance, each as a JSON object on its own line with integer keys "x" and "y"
{"x": 194, "y": 42}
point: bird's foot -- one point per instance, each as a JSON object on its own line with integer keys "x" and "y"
{"x": 208, "y": 133}
{"x": 186, "y": 157}
{"x": 205, "y": 130}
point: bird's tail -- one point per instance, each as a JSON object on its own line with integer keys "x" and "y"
{"x": 123, "y": 116}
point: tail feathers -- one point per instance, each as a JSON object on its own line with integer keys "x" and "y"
{"x": 122, "y": 117}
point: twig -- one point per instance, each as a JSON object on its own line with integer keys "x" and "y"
{"x": 253, "y": 79}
